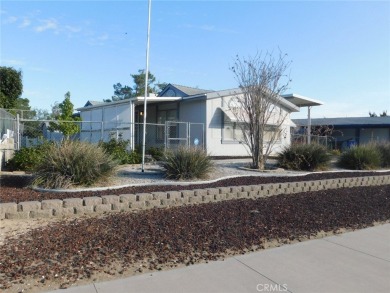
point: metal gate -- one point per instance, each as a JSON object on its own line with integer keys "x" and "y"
{"x": 184, "y": 134}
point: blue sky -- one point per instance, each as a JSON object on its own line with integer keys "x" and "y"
{"x": 340, "y": 51}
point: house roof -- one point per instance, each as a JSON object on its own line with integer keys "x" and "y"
{"x": 347, "y": 121}
{"x": 236, "y": 91}
{"x": 93, "y": 103}
{"x": 183, "y": 90}
{"x": 180, "y": 92}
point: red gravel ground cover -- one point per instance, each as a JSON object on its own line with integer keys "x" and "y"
{"x": 69, "y": 251}
{"x": 73, "y": 251}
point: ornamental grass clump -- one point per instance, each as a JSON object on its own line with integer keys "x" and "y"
{"x": 304, "y": 157}
{"x": 186, "y": 163}
{"x": 362, "y": 157}
{"x": 73, "y": 163}
{"x": 384, "y": 150}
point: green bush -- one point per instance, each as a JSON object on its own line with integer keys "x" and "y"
{"x": 186, "y": 163}
{"x": 27, "y": 158}
{"x": 363, "y": 157}
{"x": 118, "y": 150}
{"x": 304, "y": 157}
{"x": 384, "y": 150}
{"x": 156, "y": 152}
{"x": 73, "y": 163}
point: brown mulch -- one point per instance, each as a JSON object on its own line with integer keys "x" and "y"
{"x": 15, "y": 188}
{"x": 70, "y": 251}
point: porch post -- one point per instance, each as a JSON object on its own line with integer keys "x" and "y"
{"x": 131, "y": 125}
{"x": 308, "y": 125}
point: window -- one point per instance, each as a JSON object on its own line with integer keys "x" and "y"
{"x": 271, "y": 133}
{"x": 232, "y": 132}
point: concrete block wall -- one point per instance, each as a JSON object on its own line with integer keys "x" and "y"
{"x": 140, "y": 201}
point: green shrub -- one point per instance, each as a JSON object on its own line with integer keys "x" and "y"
{"x": 363, "y": 157}
{"x": 384, "y": 150}
{"x": 27, "y": 158}
{"x": 73, "y": 163}
{"x": 156, "y": 152}
{"x": 304, "y": 157}
{"x": 186, "y": 163}
{"x": 118, "y": 150}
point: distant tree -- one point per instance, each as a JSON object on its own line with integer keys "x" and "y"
{"x": 139, "y": 83}
{"x": 160, "y": 86}
{"x": 11, "y": 87}
{"x": 23, "y": 108}
{"x": 63, "y": 112}
{"x": 121, "y": 92}
{"x": 31, "y": 129}
{"x": 258, "y": 108}
{"x": 42, "y": 114}
{"x": 373, "y": 114}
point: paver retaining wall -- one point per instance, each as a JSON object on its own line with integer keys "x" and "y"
{"x": 130, "y": 202}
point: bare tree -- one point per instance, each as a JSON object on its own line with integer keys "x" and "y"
{"x": 259, "y": 108}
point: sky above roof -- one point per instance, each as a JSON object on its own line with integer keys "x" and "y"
{"x": 340, "y": 50}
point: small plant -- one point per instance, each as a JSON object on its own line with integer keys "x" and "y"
{"x": 186, "y": 163}
{"x": 363, "y": 157}
{"x": 118, "y": 150}
{"x": 27, "y": 158}
{"x": 73, "y": 163}
{"x": 335, "y": 152}
{"x": 304, "y": 157}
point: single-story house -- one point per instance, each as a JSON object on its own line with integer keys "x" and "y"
{"x": 352, "y": 130}
{"x": 179, "y": 114}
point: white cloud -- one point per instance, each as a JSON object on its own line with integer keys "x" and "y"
{"x": 98, "y": 40}
{"x": 47, "y": 24}
{"x": 38, "y": 24}
{"x": 25, "y": 23}
{"x": 210, "y": 28}
{"x": 10, "y": 19}
{"x": 72, "y": 29}
{"x": 38, "y": 69}
{"x": 12, "y": 62}
{"x": 103, "y": 37}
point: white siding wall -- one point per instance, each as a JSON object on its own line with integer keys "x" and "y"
{"x": 216, "y": 146}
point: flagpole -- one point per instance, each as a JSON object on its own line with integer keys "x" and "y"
{"x": 146, "y": 85}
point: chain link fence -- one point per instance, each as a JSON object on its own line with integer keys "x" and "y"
{"x": 29, "y": 132}
{"x": 328, "y": 141}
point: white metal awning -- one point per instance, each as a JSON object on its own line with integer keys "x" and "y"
{"x": 228, "y": 112}
{"x": 140, "y": 100}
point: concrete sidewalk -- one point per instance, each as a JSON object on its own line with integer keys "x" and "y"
{"x": 352, "y": 262}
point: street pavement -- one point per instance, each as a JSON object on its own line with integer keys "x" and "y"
{"x": 355, "y": 262}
